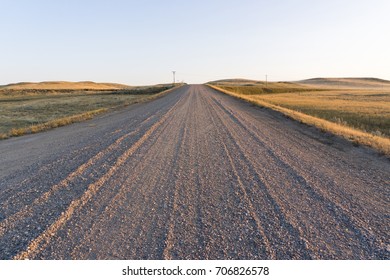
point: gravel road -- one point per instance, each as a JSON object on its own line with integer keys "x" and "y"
{"x": 195, "y": 174}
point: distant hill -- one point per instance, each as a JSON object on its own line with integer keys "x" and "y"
{"x": 316, "y": 82}
{"x": 347, "y": 82}
{"x": 235, "y": 81}
{"x": 60, "y": 85}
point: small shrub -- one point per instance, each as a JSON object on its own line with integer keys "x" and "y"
{"x": 18, "y": 131}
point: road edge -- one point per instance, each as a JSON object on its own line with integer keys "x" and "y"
{"x": 380, "y": 144}
{"x": 42, "y": 127}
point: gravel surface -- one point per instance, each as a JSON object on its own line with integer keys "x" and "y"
{"x": 192, "y": 175}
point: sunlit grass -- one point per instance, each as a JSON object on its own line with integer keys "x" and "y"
{"x": 22, "y": 112}
{"x": 367, "y": 111}
{"x": 362, "y": 116}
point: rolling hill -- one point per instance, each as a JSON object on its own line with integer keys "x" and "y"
{"x": 347, "y": 82}
{"x": 62, "y": 85}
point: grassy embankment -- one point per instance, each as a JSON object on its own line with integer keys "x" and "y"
{"x": 358, "y": 112}
{"x": 30, "y": 108}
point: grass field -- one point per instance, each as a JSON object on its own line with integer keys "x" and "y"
{"x": 61, "y": 85}
{"x": 31, "y": 109}
{"x": 365, "y": 107}
{"x": 367, "y": 111}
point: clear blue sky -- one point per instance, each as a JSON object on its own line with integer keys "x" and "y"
{"x": 140, "y": 42}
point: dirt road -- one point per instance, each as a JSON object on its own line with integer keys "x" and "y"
{"x": 193, "y": 175}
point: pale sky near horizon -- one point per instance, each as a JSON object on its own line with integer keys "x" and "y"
{"x": 141, "y": 42}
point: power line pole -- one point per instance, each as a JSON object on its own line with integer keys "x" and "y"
{"x": 266, "y": 80}
{"x": 174, "y": 80}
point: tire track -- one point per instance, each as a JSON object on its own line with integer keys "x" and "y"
{"x": 185, "y": 231}
{"x": 271, "y": 253}
{"x": 113, "y": 205}
{"x": 334, "y": 209}
{"x": 194, "y": 175}
{"x": 11, "y": 221}
{"x": 113, "y": 202}
{"x": 271, "y": 200}
{"x": 119, "y": 199}
{"x": 29, "y": 183}
{"x": 286, "y": 220}
{"x": 43, "y": 239}
{"x": 183, "y": 138}
{"x": 224, "y": 217}
{"x": 171, "y": 222}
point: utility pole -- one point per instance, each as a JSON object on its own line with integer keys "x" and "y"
{"x": 266, "y": 80}
{"x": 174, "y": 80}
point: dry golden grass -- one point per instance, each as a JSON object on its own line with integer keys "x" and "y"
{"x": 53, "y": 123}
{"x": 314, "y": 108}
{"x": 61, "y": 85}
{"x": 368, "y": 111}
{"x": 359, "y": 83}
{"x": 23, "y": 114}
